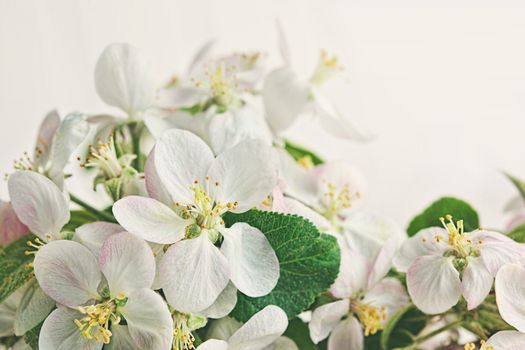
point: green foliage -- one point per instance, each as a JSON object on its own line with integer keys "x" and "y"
{"x": 520, "y": 185}
{"x": 14, "y": 269}
{"x": 31, "y": 337}
{"x": 299, "y": 333}
{"x": 402, "y": 328}
{"x": 309, "y": 262}
{"x": 518, "y": 233}
{"x": 460, "y": 210}
{"x": 297, "y": 152}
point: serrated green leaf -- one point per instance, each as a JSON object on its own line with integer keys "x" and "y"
{"x": 518, "y": 233}
{"x": 403, "y": 327}
{"x": 298, "y": 152}
{"x": 14, "y": 271}
{"x": 459, "y": 209}
{"x": 519, "y": 184}
{"x": 309, "y": 262}
{"x": 298, "y": 331}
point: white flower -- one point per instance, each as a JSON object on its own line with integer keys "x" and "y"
{"x": 191, "y": 190}
{"x": 11, "y": 228}
{"x": 366, "y": 300}
{"x": 262, "y": 332}
{"x": 444, "y": 263}
{"x": 503, "y": 340}
{"x": 95, "y": 296}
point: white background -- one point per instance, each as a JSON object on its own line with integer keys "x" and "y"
{"x": 440, "y": 83}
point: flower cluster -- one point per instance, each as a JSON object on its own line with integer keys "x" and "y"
{"x": 213, "y": 231}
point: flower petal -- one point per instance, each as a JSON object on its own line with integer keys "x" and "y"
{"x": 94, "y": 234}
{"x": 510, "y": 295}
{"x": 224, "y": 328}
{"x": 59, "y": 332}
{"x": 154, "y": 185}
{"x": 67, "y": 272}
{"x": 149, "y": 219}
{"x": 123, "y": 78}
{"x": 246, "y": 174}
{"x": 149, "y": 320}
{"x": 507, "y": 340}
{"x": 38, "y": 203}
{"x": 423, "y": 243}
{"x": 181, "y": 158}
{"x": 433, "y": 283}
{"x": 383, "y": 262}
{"x": 390, "y": 293}
{"x": 253, "y": 263}
{"x": 127, "y": 262}
{"x": 224, "y": 303}
{"x": 11, "y": 228}
{"x": 326, "y": 318}
{"x": 497, "y": 249}
{"x": 353, "y": 273}
{"x": 348, "y": 335}
{"x": 44, "y": 140}
{"x": 260, "y": 330}
{"x": 284, "y": 98}
{"x": 292, "y": 206}
{"x": 8, "y": 310}
{"x": 213, "y": 344}
{"x": 298, "y": 182}
{"x": 284, "y": 343}
{"x": 33, "y": 309}
{"x": 193, "y": 274}
{"x": 121, "y": 339}
{"x": 476, "y": 282}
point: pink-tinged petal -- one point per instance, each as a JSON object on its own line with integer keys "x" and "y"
{"x": 261, "y": 330}
{"x": 497, "y": 249}
{"x": 383, "y": 262}
{"x": 423, "y": 243}
{"x": 348, "y": 335}
{"x": 67, "y": 272}
{"x": 510, "y": 295}
{"x": 38, "y": 203}
{"x": 11, "y": 228}
{"x": 154, "y": 185}
{"x": 326, "y": 318}
{"x": 127, "y": 262}
{"x": 507, "y": 340}
{"x": 44, "y": 140}
{"x": 476, "y": 282}
{"x": 213, "y": 344}
{"x": 150, "y": 219}
{"x": 353, "y": 273}
{"x": 390, "y": 293}
{"x": 193, "y": 274}
{"x": 149, "y": 320}
{"x": 181, "y": 158}
{"x": 285, "y": 97}
{"x": 253, "y": 263}
{"x": 433, "y": 283}
{"x": 224, "y": 303}
{"x": 123, "y": 78}
{"x": 94, "y": 234}
{"x": 59, "y": 332}
{"x": 246, "y": 174}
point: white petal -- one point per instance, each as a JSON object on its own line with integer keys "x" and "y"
{"x": 383, "y": 262}
{"x": 284, "y": 343}
{"x": 213, "y": 344}
{"x": 348, "y": 335}
{"x": 497, "y": 249}
{"x": 149, "y": 320}
{"x": 326, "y": 318}
{"x": 33, "y": 309}
{"x": 123, "y": 78}
{"x": 507, "y": 340}
{"x": 127, "y": 262}
{"x": 423, "y": 243}
{"x": 121, "y": 339}
{"x": 224, "y": 303}
{"x": 433, "y": 283}
{"x": 44, "y": 140}
{"x": 11, "y": 228}
{"x": 38, "y": 203}
{"x": 284, "y": 98}
{"x": 476, "y": 281}
{"x": 246, "y": 174}
{"x": 8, "y": 312}
{"x": 510, "y": 295}
{"x": 253, "y": 264}
{"x": 299, "y": 183}
{"x": 59, "y": 332}
{"x": 72, "y": 131}
{"x": 149, "y": 219}
{"x": 390, "y": 293}
{"x": 94, "y": 234}
{"x": 353, "y": 273}
{"x": 193, "y": 274}
{"x": 223, "y": 329}
{"x": 154, "y": 185}
{"x": 261, "y": 330}
{"x": 67, "y": 272}
{"x": 182, "y": 158}
{"x": 292, "y": 206}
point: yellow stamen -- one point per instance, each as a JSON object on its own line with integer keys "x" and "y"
{"x": 95, "y": 325}
{"x": 371, "y": 317}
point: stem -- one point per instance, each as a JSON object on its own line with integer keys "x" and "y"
{"x": 136, "y": 135}
{"x": 437, "y": 331}
{"x": 100, "y": 214}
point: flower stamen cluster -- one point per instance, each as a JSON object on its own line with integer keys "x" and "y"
{"x": 371, "y": 317}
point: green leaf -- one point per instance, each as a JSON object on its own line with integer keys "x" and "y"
{"x": 14, "y": 269}
{"x": 520, "y": 185}
{"x": 79, "y": 218}
{"x": 31, "y": 337}
{"x": 298, "y": 331}
{"x": 403, "y": 327}
{"x": 460, "y": 210}
{"x": 518, "y": 233}
{"x": 298, "y": 152}
{"x": 309, "y": 262}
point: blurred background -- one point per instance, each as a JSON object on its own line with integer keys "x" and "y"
{"x": 441, "y": 84}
